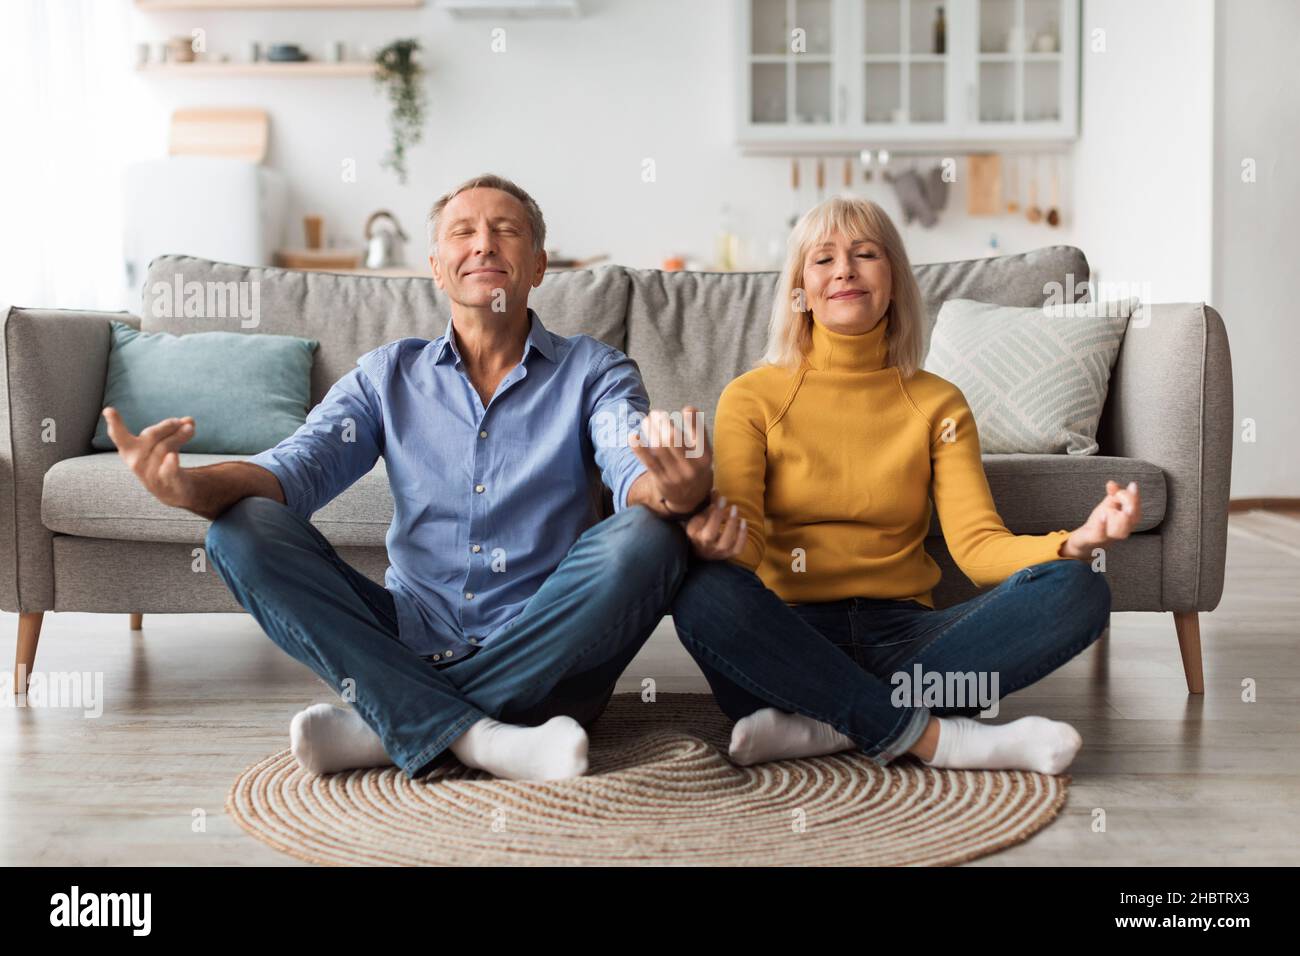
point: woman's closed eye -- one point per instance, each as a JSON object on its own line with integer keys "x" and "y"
{"x": 861, "y": 255}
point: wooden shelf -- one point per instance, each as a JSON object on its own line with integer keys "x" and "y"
{"x": 273, "y": 4}
{"x": 263, "y": 68}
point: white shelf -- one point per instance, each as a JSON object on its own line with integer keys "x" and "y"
{"x": 905, "y": 58}
{"x": 510, "y": 8}
{"x": 1013, "y": 57}
{"x": 273, "y": 4}
{"x": 263, "y": 68}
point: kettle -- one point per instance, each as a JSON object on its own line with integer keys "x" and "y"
{"x": 383, "y": 244}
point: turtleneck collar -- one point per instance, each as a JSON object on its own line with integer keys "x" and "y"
{"x": 835, "y": 351}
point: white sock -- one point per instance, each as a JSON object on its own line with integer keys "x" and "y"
{"x": 771, "y": 734}
{"x": 555, "y": 750}
{"x": 327, "y": 739}
{"x": 1030, "y": 743}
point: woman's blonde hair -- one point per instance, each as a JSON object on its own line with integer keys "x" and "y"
{"x": 790, "y": 332}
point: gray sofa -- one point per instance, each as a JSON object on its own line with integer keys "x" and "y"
{"x": 79, "y": 533}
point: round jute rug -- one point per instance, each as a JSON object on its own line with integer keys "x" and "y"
{"x": 660, "y": 790}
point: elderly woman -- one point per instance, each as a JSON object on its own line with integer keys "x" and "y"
{"x": 808, "y": 601}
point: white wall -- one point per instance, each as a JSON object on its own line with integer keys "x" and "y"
{"x": 1144, "y": 158}
{"x": 570, "y": 110}
{"x": 1255, "y": 236}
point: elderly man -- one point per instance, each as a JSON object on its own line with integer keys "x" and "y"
{"x": 509, "y": 612}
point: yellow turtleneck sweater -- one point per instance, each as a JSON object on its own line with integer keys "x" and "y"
{"x": 834, "y": 466}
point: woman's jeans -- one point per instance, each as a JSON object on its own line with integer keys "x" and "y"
{"x": 562, "y": 654}
{"x": 855, "y": 663}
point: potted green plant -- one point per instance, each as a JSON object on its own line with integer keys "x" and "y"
{"x": 402, "y": 76}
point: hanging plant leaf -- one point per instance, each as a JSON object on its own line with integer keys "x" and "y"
{"x": 402, "y": 76}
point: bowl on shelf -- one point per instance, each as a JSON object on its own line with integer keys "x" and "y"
{"x": 285, "y": 53}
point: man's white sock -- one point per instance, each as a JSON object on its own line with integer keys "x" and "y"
{"x": 1030, "y": 743}
{"x": 771, "y": 734}
{"x": 327, "y": 739}
{"x": 556, "y": 750}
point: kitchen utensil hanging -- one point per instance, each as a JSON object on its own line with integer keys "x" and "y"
{"x": 1033, "y": 213}
{"x": 1054, "y": 211}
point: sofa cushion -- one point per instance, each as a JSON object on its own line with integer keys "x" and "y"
{"x": 1035, "y": 378}
{"x": 350, "y": 314}
{"x": 246, "y": 393}
{"x": 693, "y": 332}
{"x": 97, "y": 496}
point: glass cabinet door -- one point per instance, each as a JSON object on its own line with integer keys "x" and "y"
{"x": 905, "y": 62}
{"x": 1020, "y": 64}
{"x": 837, "y": 72}
{"x": 790, "y": 66}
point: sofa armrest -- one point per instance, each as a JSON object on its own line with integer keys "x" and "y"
{"x": 52, "y": 369}
{"x": 1170, "y": 403}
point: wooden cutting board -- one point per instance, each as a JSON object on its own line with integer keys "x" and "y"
{"x": 234, "y": 133}
{"x": 984, "y": 184}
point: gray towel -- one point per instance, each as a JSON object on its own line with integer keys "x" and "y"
{"x": 911, "y": 192}
{"x": 936, "y": 190}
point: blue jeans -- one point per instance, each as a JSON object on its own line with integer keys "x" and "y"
{"x": 562, "y": 654}
{"x": 836, "y": 661}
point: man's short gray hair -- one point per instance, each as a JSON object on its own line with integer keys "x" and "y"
{"x": 536, "y": 224}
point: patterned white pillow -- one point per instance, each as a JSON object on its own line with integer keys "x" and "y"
{"x": 1035, "y": 379}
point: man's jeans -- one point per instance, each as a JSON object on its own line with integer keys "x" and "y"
{"x": 834, "y": 661}
{"x": 561, "y": 655}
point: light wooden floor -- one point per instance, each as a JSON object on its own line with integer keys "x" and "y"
{"x": 193, "y": 699}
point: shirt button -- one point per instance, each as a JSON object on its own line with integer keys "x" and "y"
{"x": 482, "y": 434}
{"x": 479, "y": 489}
{"x": 469, "y": 595}
{"x": 473, "y": 640}
{"x": 446, "y": 653}
{"x": 476, "y": 548}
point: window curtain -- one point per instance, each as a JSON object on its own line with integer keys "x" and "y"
{"x": 65, "y": 87}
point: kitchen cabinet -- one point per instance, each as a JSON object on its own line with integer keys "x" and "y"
{"x": 826, "y": 74}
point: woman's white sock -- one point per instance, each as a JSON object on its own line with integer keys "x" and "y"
{"x": 1030, "y": 743}
{"x": 556, "y": 750}
{"x": 327, "y": 739}
{"x": 771, "y": 734}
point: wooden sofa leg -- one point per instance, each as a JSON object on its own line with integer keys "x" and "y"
{"x": 1188, "y": 625}
{"x": 29, "y": 632}
{"x": 137, "y": 621}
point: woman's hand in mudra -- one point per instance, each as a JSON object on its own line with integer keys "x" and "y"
{"x": 717, "y": 533}
{"x": 1112, "y": 520}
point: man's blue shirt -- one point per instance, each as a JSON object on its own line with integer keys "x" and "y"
{"x": 487, "y": 501}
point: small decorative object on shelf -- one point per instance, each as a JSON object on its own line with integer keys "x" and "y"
{"x": 285, "y": 53}
{"x": 313, "y": 227}
{"x": 402, "y": 76}
{"x": 181, "y": 49}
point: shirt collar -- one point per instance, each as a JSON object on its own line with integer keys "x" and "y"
{"x": 538, "y": 339}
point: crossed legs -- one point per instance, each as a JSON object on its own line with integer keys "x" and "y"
{"x": 804, "y": 680}
{"x": 560, "y": 656}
